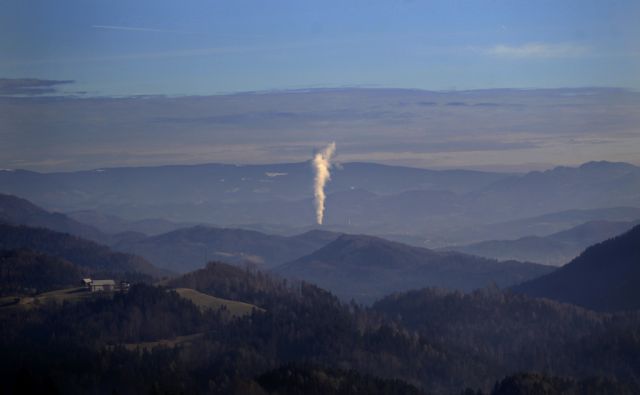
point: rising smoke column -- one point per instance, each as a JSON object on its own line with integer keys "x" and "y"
{"x": 321, "y": 165}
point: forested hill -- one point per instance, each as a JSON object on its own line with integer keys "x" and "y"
{"x": 24, "y": 271}
{"x": 187, "y": 249}
{"x": 84, "y": 253}
{"x": 604, "y": 277}
{"x": 366, "y": 268}
{"x": 18, "y": 211}
{"x": 490, "y": 331}
{"x": 441, "y": 343}
{"x": 231, "y": 282}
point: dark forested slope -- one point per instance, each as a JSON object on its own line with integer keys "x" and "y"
{"x": 491, "y": 331}
{"x": 604, "y": 277}
{"x": 24, "y": 271}
{"x": 84, "y": 253}
{"x": 439, "y": 342}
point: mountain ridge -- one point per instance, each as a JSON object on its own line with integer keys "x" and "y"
{"x": 555, "y": 249}
{"x": 361, "y": 197}
{"x": 19, "y": 211}
{"x": 366, "y": 267}
{"x": 191, "y": 248}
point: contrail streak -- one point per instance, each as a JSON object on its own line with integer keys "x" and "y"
{"x": 321, "y": 166}
{"x": 135, "y": 29}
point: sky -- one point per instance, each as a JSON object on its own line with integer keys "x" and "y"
{"x": 488, "y": 84}
{"x": 116, "y": 47}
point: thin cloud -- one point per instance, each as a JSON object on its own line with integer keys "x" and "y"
{"x": 538, "y": 50}
{"x": 135, "y": 29}
{"x": 170, "y": 54}
{"x": 30, "y": 86}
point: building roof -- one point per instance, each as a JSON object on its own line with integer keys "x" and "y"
{"x": 103, "y": 282}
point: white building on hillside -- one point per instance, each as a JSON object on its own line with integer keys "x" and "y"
{"x": 104, "y": 285}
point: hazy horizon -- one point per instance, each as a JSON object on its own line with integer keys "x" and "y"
{"x": 506, "y": 129}
{"x": 516, "y": 169}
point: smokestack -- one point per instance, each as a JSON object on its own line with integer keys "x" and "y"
{"x": 321, "y": 165}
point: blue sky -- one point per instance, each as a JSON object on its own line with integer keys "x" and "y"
{"x": 205, "y": 47}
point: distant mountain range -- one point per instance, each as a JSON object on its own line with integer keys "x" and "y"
{"x": 199, "y": 184}
{"x": 440, "y": 207}
{"x": 362, "y": 267}
{"x": 366, "y": 268}
{"x": 547, "y": 224}
{"x": 113, "y": 224}
{"x": 179, "y": 250}
{"x": 539, "y": 225}
{"x": 604, "y": 277}
{"x": 353, "y": 266}
{"x": 556, "y": 249}
{"x": 592, "y": 185}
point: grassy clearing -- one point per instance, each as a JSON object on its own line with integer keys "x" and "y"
{"x": 205, "y": 301}
{"x": 58, "y": 296}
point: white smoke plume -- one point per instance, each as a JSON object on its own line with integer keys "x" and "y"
{"x": 321, "y": 166}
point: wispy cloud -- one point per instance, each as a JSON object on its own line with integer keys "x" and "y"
{"x": 538, "y": 50}
{"x": 136, "y": 29}
{"x": 178, "y": 53}
{"x": 29, "y": 86}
